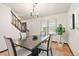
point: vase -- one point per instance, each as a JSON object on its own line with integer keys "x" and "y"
{"x": 60, "y": 41}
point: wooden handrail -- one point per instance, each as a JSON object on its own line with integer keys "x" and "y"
{"x": 21, "y": 26}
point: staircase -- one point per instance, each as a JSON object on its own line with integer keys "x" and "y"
{"x": 17, "y": 23}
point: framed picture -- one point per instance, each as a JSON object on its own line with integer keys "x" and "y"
{"x": 73, "y": 21}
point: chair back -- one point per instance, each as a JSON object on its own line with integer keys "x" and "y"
{"x": 43, "y": 33}
{"x": 23, "y": 35}
{"x": 49, "y": 43}
{"x": 10, "y": 46}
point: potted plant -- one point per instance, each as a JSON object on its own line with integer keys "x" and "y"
{"x": 60, "y": 30}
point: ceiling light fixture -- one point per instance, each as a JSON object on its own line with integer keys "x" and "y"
{"x": 34, "y": 12}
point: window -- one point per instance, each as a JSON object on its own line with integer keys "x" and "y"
{"x": 51, "y": 26}
{"x": 48, "y": 27}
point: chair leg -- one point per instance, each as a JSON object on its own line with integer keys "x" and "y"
{"x": 42, "y": 51}
{"x": 39, "y": 51}
{"x": 51, "y": 51}
{"x": 47, "y": 53}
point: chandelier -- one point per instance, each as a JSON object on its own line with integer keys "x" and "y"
{"x": 34, "y": 11}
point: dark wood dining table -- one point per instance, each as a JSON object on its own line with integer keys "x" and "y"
{"x": 32, "y": 44}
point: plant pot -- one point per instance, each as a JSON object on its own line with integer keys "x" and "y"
{"x": 60, "y": 42}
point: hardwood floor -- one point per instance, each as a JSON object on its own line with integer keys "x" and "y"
{"x": 4, "y": 53}
{"x": 57, "y": 50}
{"x": 61, "y": 51}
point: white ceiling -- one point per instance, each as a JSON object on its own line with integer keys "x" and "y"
{"x": 44, "y": 9}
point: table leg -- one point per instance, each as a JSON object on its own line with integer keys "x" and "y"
{"x": 35, "y": 52}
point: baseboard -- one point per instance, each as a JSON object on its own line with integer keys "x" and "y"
{"x": 3, "y": 50}
{"x": 57, "y": 42}
{"x": 54, "y": 41}
{"x": 70, "y": 49}
{"x": 6, "y": 50}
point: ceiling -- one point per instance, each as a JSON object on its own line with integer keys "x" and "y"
{"x": 44, "y": 9}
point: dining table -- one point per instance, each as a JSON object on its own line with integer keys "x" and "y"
{"x": 31, "y": 43}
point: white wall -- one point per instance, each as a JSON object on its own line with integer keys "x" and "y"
{"x": 6, "y": 28}
{"x": 73, "y": 34}
{"x": 34, "y": 24}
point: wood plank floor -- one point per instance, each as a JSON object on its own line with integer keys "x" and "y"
{"x": 58, "y": 51}
{"x": 61, "y": 51}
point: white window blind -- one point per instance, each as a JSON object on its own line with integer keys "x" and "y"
{"x": 48, "y": 26}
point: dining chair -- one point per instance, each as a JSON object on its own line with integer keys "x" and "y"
{"x": 42, "y": 33}
{"x": 12, "y": 49}
{"x": 23, "y": 35}
{"x": 47, "y": 47}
